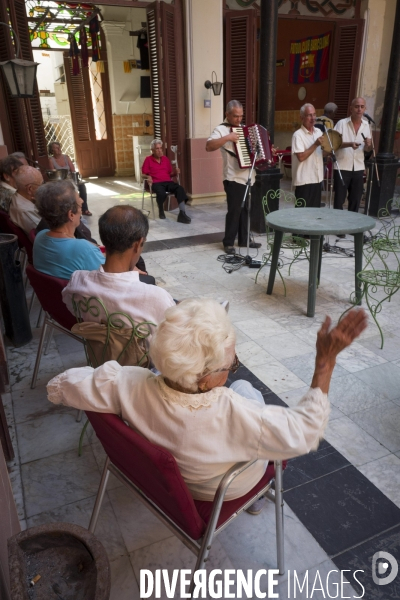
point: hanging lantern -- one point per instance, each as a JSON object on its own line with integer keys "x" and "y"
{"x": 20, "y": 76}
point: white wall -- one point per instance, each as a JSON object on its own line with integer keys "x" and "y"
{"x": 118, "y": 21}
{"x": 204, "y": 46}
{"x": 379, "y": 15}
{"x": 47, "y": 73}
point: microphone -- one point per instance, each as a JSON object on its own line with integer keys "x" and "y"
{"x": 370, "y": 119}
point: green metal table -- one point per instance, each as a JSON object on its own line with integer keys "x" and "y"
{"x": 317, "y": 222}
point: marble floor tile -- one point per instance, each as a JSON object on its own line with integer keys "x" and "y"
{"x": 385, "y": 474}
{"x": 48, "y": 435}
{"x": 382, "y": 423}
{"x": 123, "y": 581}
{"x": 251, "y": 354}
{"x": 349, "y": 394}
{"x": 391, "y": 346}
{"x": 321, "y": 582}
{"x": 285, "y": 345}
{"x": 79, "y": 513}
{"x": 384, "y": 379}
{"x": 31, "y": 404}
{"x": 353, "y": 442}
{"x": 52, "y": 482}
{"x": 260, "y": 329}
{"x": 303, "y": 366}
{"x": 357, "y": 358}
{"x": 277, "y": 377}
{"x": 171, "y": 554}
{"x": 244, "y": 542}
{"x": 138, "y": 525}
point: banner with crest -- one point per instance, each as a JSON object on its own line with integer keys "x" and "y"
{"x": 309, "y": 59}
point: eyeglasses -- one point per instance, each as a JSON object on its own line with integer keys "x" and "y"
{"x": 232, "y": 368}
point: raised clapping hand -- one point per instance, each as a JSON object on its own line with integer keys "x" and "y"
{"x": 332, "y": 341}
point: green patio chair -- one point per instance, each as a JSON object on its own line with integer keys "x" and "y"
{"x": 296, "y": 244}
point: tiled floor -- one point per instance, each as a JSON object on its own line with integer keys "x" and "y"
{"x": 333, "y": 504}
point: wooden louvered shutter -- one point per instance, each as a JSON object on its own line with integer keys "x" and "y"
{"x": 81, "y": 104}
{"x": 32, "y": 106}
{"x": 157, "y": 95}
{"x": 165, "y": 30}
{"x": 240, "y": 38}
{"x": 19, "y": 139}
{"x": 346, "y": 64}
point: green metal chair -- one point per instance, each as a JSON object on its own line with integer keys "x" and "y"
{"x": 113, "y": 336}
{"x": 296, "y": 244}
{"x": 378, "y": 281}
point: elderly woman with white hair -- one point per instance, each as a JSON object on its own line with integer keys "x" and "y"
{"x": 187, "y": 410}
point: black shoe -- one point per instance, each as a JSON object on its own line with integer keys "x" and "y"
{"x": 251, "y": 245}
{"x": 183, "y": 217}
{"x": 161, "y": 213}
{"x": 229, "y": 250}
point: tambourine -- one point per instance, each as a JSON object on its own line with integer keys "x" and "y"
{"x": 336, "y": 140}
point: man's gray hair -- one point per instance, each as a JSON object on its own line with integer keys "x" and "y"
{"x": 330, "y": 107}
{"x": 25, "y": 176}
{"x": 192, "y": 341}
{"x": 155, "y": 142}
{"x": 54, "y": 200}
{"x": 303, "y": 108}
{"x": 18, "y": 155}
{"x": 233, "y": 104}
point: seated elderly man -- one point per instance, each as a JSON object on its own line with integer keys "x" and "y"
{"x": 23, "y": 211}
{"x": 157, "y": 169}
{"x": 56, "y": 250}
{"x": 118, "y": 283}
{"x": 8, "y": 188}
{"x": 187, "y": 409}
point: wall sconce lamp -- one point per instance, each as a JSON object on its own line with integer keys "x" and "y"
{"x": 215, "y": 85}
{"x": 19, "y": 74}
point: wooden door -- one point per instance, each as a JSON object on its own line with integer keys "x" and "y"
{"x": 165, "y": 31}
{"x": 89, "y": 97}
{"x": 240, "y": 60}
{"x": 346, "y": 64}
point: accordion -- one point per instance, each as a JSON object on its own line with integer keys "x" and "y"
{"x": 253, "y": 138}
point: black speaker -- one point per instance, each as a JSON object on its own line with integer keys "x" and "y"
{"x": 145, "y": 87}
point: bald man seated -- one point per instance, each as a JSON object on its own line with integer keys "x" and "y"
{"x": 119, "y": 283}
{"x": 22, "y": 208}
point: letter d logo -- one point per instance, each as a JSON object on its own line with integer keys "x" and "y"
{"x": 383, "y": 567}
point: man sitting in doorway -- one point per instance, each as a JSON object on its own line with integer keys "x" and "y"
{"x": 8, "y": 168}
{"x": 22, "y": 208}
{"x": 121, "y": 288}
{"x": 158, "y": 171}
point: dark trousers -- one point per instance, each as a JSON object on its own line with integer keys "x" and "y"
{"x": 311, "y": 193}
{"x": 149, "y": 279}
{"x": 83, "y": 195}
{"x": 161, "y": 188}
{"x": 236, "y": 217}
{"x": 353, "y": 186}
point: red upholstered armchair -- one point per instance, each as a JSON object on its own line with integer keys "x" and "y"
{"x": 152, "y": 474}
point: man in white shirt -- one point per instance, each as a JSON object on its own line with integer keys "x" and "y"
{"x": 118, "y": 283}
{"x": 22, "y": 208}
{"x": 307, "y": 159}
{"x": 356, "y": 139}
{"x": 234, "y": 178}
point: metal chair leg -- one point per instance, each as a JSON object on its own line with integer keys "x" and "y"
{"x": 279, "y": 517}
{"x": 39, "y": 354}
{"x": 79, "y": 416}
{"x": 31, "y": 301}
{"x": 49, "y": 338}
{"x": 152, "y": 205}
{"x": 39, "y": 317}
{"x": 99, "y": 497}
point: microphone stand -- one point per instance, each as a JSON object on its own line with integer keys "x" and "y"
{"x": 248, "y": 258}
{"x": 334, "y": 159}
